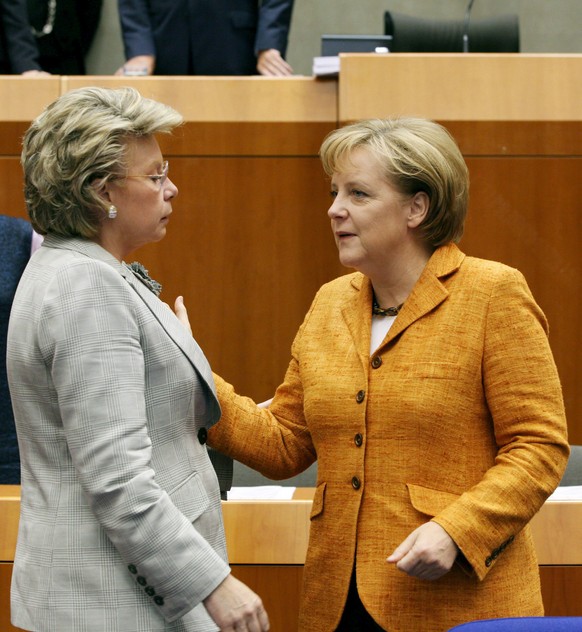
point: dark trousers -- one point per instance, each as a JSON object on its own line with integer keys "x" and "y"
{"x": 355, "y": 617}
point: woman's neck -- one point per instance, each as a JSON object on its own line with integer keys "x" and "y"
{"x": 393, "y": 286}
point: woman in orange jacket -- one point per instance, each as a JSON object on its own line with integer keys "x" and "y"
{"x": 424, "y": 385}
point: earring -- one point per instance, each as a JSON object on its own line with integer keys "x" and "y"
{"x": 112, "y": 212}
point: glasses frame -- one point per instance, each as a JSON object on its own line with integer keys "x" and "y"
{"x": 157, "y": 178}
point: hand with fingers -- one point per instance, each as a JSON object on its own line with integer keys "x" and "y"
{"x": 270, "y": 63}
{"x": 428, "y": 552}
{"x": 236, "y": 608}
{"x": 182, "y": 313}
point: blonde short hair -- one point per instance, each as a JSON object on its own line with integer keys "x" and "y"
{"x": 416, "y": 155}
{"x": 81, "y": 138}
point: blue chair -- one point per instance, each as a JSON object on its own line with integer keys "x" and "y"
{"x": 522, "y": 624}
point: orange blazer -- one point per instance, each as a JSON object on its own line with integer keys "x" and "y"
{"x": 458, "y": 417}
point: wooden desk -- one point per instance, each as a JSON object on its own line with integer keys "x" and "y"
{"x": 453, "y": 87}
{"x": 267, "y": 542}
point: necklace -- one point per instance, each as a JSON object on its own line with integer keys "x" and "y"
{"x": 50, "y": 20}
{"x": 389, "y": 311}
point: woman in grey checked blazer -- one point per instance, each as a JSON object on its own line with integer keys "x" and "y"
{"x": 121, "y": 526}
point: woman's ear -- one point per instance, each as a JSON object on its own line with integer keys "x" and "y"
{"x": 102, "y": 189}
{"x": 418, "y": 209}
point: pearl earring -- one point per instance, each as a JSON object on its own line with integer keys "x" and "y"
{"x": 112, "y": 212}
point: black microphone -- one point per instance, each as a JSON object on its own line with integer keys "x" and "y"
{"x": 466, "y": 26}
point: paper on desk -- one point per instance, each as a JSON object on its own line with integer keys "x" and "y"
{"x": 567, "y": 492}
{"x": 261, "y": 492}
{"x": 328, "y": 66}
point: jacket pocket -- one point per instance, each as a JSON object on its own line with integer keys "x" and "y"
{"x": 430, "y": 501}
{"x": 190, "y": 497}
{"x": 318, "y": 498}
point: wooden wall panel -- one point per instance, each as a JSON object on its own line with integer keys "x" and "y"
{"x": 11, "y": 187}
{"x": 561, "y": 590}
{"x": 525, "y": 213}
{"x": 280, "y": 589}
{"x": 248, "y": 245}
{"x": 5, "y": 579}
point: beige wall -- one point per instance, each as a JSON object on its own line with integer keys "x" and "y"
{"x": 546, "y": 26}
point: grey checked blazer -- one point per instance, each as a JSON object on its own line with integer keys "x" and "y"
{"x": 121, "y": 525}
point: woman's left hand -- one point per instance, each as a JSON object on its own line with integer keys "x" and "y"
{"x": 182, "y": 313}
{"x": 428, "y": 552}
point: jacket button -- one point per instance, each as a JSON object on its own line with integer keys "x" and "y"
{"x": 360, "y": 396}
{"x": 488, "y": 561}
{"x": 358, "y": 439}
{"x": 376, "y": 362}
{"x": 159, "y": 600}
{"x": 132, "y": 569}
{"x": 356, "y": 484}
{"x": 141, "y": 580}
{"x": 202, "y": 435}
{"x": 149, "y": 590}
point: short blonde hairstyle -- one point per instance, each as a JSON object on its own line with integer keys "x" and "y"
{"x": 416, "y": 155}
{"x": 79, "y": 139}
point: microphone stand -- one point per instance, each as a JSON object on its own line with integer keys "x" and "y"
{"x": 466, "y": 26}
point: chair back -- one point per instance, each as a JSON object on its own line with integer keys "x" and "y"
{"x": 573, "y": 473}
{"x": 499, "y": 34}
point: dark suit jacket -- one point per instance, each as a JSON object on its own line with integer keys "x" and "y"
{"x": 18, "y": 51}
{"x": 62, "y": 52}
{"x": 15, "y": 242}
{"x": 204, "y": 37}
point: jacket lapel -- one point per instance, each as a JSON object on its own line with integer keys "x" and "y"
{"x": 172, "y": 326}
{"x": 427, "y": 294}
{"x": 163, "y": 314}
{"x": 357, "y": 314}
{"x": 429, "y": 291}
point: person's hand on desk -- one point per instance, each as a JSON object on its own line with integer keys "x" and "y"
{"x": 428, "y": 552}
{"x": 36, "y": 73}
{"x": 142, "y": 65}
{"x": 271, "y": 64}
{"x": 235, "y": 607}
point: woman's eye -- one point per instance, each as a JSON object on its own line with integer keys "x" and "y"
{"x": 358, "y": 194}
{"x": 333, "y": 194}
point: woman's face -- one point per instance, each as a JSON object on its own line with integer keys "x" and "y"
{"x": 370, "y": 218}
{"x": 143, "y": 203}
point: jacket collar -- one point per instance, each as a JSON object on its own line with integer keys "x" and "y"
{"x": 428, "y": 292}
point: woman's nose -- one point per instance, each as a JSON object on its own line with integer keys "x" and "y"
{"x": 337, "y": 208}
{"x": 170, "y": 189}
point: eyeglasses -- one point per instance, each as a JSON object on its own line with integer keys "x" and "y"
{"x": 158, "y": 178}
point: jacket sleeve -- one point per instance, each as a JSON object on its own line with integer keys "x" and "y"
{"x": 275, "y": 441}
{"x": 136, "y": 28}
{"x": 20, "y": 42}
{"x": 91, "y": 337}
{"x": 274, "y": 24}
{"x": 524, "y": 397}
